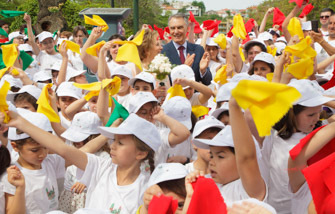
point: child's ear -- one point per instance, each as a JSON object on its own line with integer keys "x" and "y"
{"x": 141, "y": 155}
{"x": 16, "y": 149}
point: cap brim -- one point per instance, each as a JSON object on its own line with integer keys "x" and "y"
{"x": 218, "y": 111}
{"x": 74, "y": 136}
{"x": 201, "y": 143}
{"x": 110, "y": 132}
{"x": 316, "y": 101}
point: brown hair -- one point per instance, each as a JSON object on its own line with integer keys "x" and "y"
{"x": 176, "y": 186}
{"x": 26, "y": 97}
{"x": 67, "y": 34}
{"x": 20, "y": 143}
{"x": 78, "y": 28}
{"x": 140, "y": 145}
{"x": 251, "y": 70}
{"x": 146, "y": 45}
{"x": 4, "y": 159}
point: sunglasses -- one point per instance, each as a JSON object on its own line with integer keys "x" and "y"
{"x": 324, "y": 17}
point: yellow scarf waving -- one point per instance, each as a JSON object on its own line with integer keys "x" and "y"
{"x": 239, "y": 28}
{"x": 3, "y": 104}
{"x": 97, "y": 21}
{"x": 44, "y": 105}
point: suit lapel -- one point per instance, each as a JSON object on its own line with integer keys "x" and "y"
{"x": 173, "y": 54}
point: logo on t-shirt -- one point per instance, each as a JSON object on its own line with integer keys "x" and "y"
{"x": 51, "y": 193}
{"x": 114, "y": 211}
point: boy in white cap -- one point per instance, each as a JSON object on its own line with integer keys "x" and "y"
{"x": 26, "y": 97}
{"x": 143, "y": 81}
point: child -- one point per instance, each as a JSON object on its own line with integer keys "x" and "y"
{"x": 204, "y": 129}
{"x": 143, "y": 81}
{"x": 121, "y": 174}
{"x": 222, "y": 113}
{"x": 26, "y": 97}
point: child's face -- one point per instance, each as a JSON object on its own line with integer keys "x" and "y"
{"x": 205, "y": 153}
{"x": 189, "y": 92}
{"x": 31, "y": 154}
{"x": 124, "y": 84}
{"x": 65, "y": 101}
{"x": 92, "y": 104}
{"x": 222, "y": 165}
{"x": 80, "y": 79}
{"x": 145, "y": 111}
{"x": 48, "y": 45}
{"x": 26, "y": 105}
{"x": 141, "y": 86}
{"x": 123, "y": 150}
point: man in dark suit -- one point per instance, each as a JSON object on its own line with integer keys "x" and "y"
{"x": 179, "y": 51}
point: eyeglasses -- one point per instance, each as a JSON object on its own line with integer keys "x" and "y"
{"x": 324, "y": 17}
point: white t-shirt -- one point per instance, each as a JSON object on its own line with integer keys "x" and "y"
{"x": 2, "y": 196}
{"x": 162, "y": 153}
{"x": 322, "y": 54}
{"x": 190, "y": 167}
{"x": 301, "y": 200}
{"x": 63, "y": 121}
{"x": 46, "y": 60}
{"x": 275, "y": 154}
{"x": 124, "y": 100}
{"x": 41, "y": 185}
{"x": 213, "y": 66}
{"x": 195, "y": 100}
{"x": 183, "y": 149}
{"x": 103, "y": 191}
{"x": 75, "y": 60}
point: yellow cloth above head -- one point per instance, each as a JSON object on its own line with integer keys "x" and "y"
{"x": 91, "y": 94}
{"x": 271, "y": 51}
{"x": 221, "y": 41}
{"x": 3, "y": 104}
{"x": 239, "y": 28}
{"x": 95, "y": 48}
{"x": 242, "y": 54}
{"x": 9, "y": 56}
{"x": 301, "y": 69}
{"x": 221, "y": 75}
{"x": 72, "y": 46}
{"x": 268, "y": 102}
{"x": 269, "y": 77}
{"x": 97, "y": 21}
{"x": 176, "y": 90}
{"x": 302, "y": 49}
{"x": 94, "y": 86}
{"x": 199, "y": 111}
{"x": 129, "y": 52}
{"x": 112, "y": 86}
{"x": 44, "y": 105}
{"x": 294, "y": 28}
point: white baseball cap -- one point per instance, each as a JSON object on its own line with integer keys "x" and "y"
{"x": 44, "y": 35}
{"x": 60, "y": 40}
{"x": 167, "y": 172}
{"x": 68, "y": 89}
{"x": 179, "y": 108}
{"x": 280, "y": 46}
{"x": 264, "y": 57}
{"x": 139, "y": 99}
{"x": 30, "y": 89}
{"x": 182, "y": 71}
{"x": 252, "y": 35}
{"x": 43, "y": 75}
{"x": 310, "y": 95}
{"x": 210, "y": 42}
{"x": 14, "y": 82}
{"x": 217, "y": 112}
{"x": 25, "y": 47}
{"x": 223, "y": 138}
{"x": 72, "y": 72}
{"x": 135, "y": 125}
{"x": 122, "y": 71}
{"x": 253, "y": 42}
{"x": 37, "y": 119}
{"x": 224, "y": 92}
{"x": 306, "y": 25}
{"x": 14, "y": 35}
{"x": 208, "y": 122}
{"x": 56, "y": 65}
{"x": 144, "y": 76}
{"x": 83, "y": 125}
{"x": 281, "y": 39}
{"x": 265, "y": 36}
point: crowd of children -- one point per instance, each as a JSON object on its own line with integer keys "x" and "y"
{"x": 243, "y": 123}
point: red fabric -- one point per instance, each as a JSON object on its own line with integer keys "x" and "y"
{"x": 162, "y": 205}
{"x": 149, "y": 26}
{"x": 320, "y": 177}
{"x": 191, "y": 18}
{"x": 181, "y": 54}
{"x": 230, "y": 34}
{"x": 197, "y": 28}
{"x": 211, "y": 24}
{"x": 298, "y": 2}
{"x": 206, "y": 198}
{"x": 160, "y": 32}
{"x": 306, "y": 10}
{"x": 167, "y": 29}
{"x": 278, "y": 17}
{"x": 331, "y": 82}
{"x": 249, "y": 25}
{"x": 247, "y": 38}
{"x": 4, "y": 40}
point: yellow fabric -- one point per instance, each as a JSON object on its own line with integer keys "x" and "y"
{"x": 221, "y": 75}
{"x": 97, "y": 21}
{"x": 294, "y": 28}
{"x": 199, "y": 111}
{"x": 176, "y": 90}
{"x": 242, "y": 54}
{"x": 268, "y": 102}
{"x": 302, "y": 49}
{"x": 2, "y": 72}
{"x": 269, "y": 77}
{"x": 112, "y": 86}
{"x": 301, "y": 69}
{"x": 95, "y": 86}
{"x": 74, "y": 47}
{"x": 221, "y": 41}
{"x": 3, "y": 104}
{"x": 129, "y": 52}
{"x": 271, "y": 51}
{"x": 138, "y": 210}
{"x": 91, "y": 94}
{"x": 95, "y": 48}
{"x": 239, "y": 28}
{"x": 14, "y": 72}
{"x": 44, "y": 105}
{"x": 9, "y": 56}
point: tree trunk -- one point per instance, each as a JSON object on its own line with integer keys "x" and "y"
{"x": 50, "y": 12}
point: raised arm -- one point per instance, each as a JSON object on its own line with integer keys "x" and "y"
{"x": 75, "y": 107}
{"x": 245, "y": 153}
{"x": 63, "y": 68}
{"x": 205, "y": 91}
{"x": 15, "y": 204}
{"x": 317, "y": 37}
{"x": 237, "y": 60}
{"x": 292, "y": 14}
{"x": 266, "y": 15}
{"x": 31, "y": 37}
{"x": 324, "y": 64}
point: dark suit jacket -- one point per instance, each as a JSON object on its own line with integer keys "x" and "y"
{"x": 170, "y": 51}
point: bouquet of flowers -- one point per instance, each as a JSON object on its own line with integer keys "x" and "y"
{"x": 161, "y": 66}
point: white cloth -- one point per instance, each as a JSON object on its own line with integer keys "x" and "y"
{"x": 103, "y": 191}
{"x": 301, "y": 200}
{"x": 75, "y": 60}
{"x": 41, "y": 185}
{"x": 275, "y": 154}
{"x": 162, "y": 153}
{"x": 2, "y": 196}
{"x": 195, "y": 100}
{"x": 63, "y": 121}
{"x": 46, "y": 60}
{"x": 233, "y": 191}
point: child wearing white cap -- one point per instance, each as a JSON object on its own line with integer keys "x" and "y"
{"x": 121, "y": 175}
{"x": 143, "y": 81}
{"x": 25, "y": 98}
{"x": 263, "y": 64}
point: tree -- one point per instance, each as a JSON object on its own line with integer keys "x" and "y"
{"x": 201, "y": 5}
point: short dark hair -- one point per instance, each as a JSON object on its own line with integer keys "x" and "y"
{"x": 252, "y": 44}
{"x": 327, "y": 10}
{"x": 78, "y": 28}
{"x": 176, "y": 186}
{"x": 251, "y": 71}
{"x": 4, "y": 159}
{"x": 151, "y": 85}
{"x": 3, "y": 22}
{"x": 26, "y": 97}
{"x": 114, "y": 36}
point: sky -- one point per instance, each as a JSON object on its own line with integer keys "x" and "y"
{"x": 230, "y": 4}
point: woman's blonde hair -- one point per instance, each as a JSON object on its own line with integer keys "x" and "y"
{"x": 146, "y": 45}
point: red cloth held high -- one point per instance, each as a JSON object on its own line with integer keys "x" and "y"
{"x": 306, "y": 10}
{"x": 278, "y": 17}
{"x": 162, "y": 205}
{"x": 298, "y": 2}
{"x": 249, "y": 25}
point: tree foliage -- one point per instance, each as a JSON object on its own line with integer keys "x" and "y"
{"x": 201, "y": 5}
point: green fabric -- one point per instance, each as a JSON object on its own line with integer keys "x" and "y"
{"x": 2, "y": 64}
{"x": 118, "y": 112}
{"x": 6, "y": 43}
{"x": 3, "y": 32}
{"x": 11, "y": 13}
{"x": 26, "y": 31}
{"x": 89, "y": 32}
{"x": 26, "y": 59}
